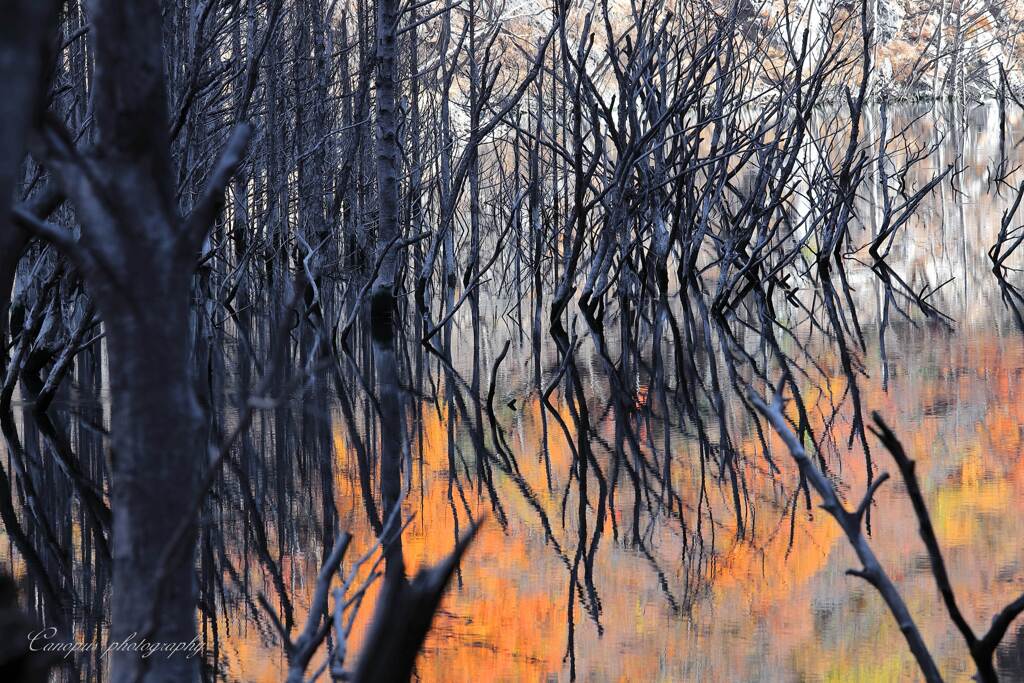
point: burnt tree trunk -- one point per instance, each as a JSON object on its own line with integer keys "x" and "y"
{"x": 156, "y": 457}
{"x": 24, "y": 46}
{"x": 389, "y": 155}
{"x": 137, "y": 254}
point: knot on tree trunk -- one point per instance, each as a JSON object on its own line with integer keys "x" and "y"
{"x": 382, "y": 308}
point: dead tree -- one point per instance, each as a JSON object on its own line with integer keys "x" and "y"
{"x": 137, "y": 253}
{"x": 389, "y": 154}
{"x": 26, "y": 52}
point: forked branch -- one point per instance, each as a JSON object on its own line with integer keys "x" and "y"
{"x": 850, "y": 522}
{"x": 983, "y": 649}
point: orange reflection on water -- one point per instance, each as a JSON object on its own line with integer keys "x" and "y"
{"x": 762, "y": 608}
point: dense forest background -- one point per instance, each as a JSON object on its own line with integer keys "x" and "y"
{"x": 253, "y": 246}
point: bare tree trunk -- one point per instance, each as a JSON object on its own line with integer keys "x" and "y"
{"x": 137, "y": 255}
{"x": 936, "y": 81}
{"x": 25, "y": 36}
{"x": 156, "y": 452}
{"x": 389, "y": 155}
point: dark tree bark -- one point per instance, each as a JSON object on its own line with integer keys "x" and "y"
{"x": 26, "y": 34}
{"x": 389, "y": 154}
{"x": 137, "y": 254}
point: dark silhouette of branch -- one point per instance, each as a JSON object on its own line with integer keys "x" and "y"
{"x": 871, "y": 570}
{"x": 982, "y": 650}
